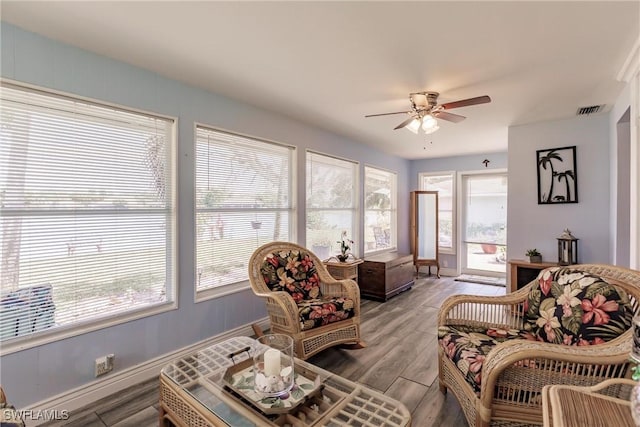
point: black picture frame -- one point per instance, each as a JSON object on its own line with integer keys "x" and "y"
{"x": 557, "y": 166}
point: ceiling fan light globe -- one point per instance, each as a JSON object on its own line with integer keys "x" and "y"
{"x": 414, "y": 126}
{"x": 429, "y": 124}
{"x": 431, "y": 130}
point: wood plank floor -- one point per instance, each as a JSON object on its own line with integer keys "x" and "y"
{"x": 400, "y": 360}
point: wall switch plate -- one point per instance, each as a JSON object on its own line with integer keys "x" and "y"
{"x": 104, "y": 364}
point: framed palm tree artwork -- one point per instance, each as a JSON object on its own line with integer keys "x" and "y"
{"x": 557, "y": 176}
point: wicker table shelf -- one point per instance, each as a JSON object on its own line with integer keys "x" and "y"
{"x": 192, "y": 394}
{"x": 343, "y": 270}
{"x": 605, "y": 404}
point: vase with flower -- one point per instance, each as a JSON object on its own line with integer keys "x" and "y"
{"x": 345, "y": 247}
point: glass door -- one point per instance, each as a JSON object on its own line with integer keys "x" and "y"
{"x": 484, "y": 224}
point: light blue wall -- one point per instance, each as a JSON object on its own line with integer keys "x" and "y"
{"x": 35, "y": 374}
{"x": 536, "y": 226}
{"x": 455, "y": 164}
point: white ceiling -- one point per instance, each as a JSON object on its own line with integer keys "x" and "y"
{"x": 331, "y": 63}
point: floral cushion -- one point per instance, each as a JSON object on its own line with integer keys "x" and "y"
{"x": 468, "y": 346}
{"x": 572, "y": 307}
{"x": 292, "y": 271}
{"x": 320, "y": 312}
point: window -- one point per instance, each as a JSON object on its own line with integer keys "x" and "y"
{"x": 86, "y": 215}
{"x": 244, "y": 198}
{"x": 380, "y": 191}
{"x": 331, "y": 203}
{"x": 443, "y": 183}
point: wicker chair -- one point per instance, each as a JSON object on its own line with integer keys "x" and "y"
{"x": 285, "y": 313}
{"x": 514, "y": 371}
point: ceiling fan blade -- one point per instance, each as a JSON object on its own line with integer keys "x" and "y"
{"x": 450, "y": 117}
{"x": 403, "y": 124}
{"x": 466, "y": 102}
{"x": 388, "y": 114}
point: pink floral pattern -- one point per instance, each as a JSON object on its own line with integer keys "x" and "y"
{"x": 572, "y": 307}
{"x": 292, "y": 272}
{"x": 320, "y": 312}
{"x": 597, "y": 309}
{"x": 467, "y": 347}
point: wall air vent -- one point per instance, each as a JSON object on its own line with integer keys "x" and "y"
{"x": 583, "y": 111}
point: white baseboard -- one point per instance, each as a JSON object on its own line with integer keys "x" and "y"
{"x": 449, "y": 272}
{"x": 79, "y": 397}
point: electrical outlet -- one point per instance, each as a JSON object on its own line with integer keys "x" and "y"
{"x": 104, "y": 364}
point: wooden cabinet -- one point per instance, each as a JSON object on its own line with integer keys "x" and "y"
{"x": 522, "y": 272}
{"x": 424, "y": 229}
{"x": 385, "y": 275}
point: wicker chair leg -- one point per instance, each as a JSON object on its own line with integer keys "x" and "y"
{"x": 257, "y": 330}
{"x": 355, "y": 346}
{"x": 443, "y": 388}
{"x": 483, "y": 416}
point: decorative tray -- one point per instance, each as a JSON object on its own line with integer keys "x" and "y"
{"x": 239, "y": 379}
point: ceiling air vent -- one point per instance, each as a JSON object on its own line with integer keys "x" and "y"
{"x": 583, "y": 111}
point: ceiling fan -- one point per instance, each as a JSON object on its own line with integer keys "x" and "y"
{"x": 425, "y": 109}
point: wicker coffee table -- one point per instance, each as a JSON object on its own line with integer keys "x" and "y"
{"x": 605, "y": 404}
{"x": 192, "y": 393}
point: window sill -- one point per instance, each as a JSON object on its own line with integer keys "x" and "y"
{"x": 57, "y": 334}
{"x": 217, "y": 292}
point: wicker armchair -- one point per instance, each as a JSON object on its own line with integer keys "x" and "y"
{"x": 286, "y": 275}
{"x": 514, "y": 371}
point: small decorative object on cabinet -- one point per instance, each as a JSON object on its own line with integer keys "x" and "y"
{"x": 534, "y": 255}
{"x": 424, "y": 229}
{"x": 567, "y": 248}
{"x": 385, "y": 275}
{"x": 345, "y": 247}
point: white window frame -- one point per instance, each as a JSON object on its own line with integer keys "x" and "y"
{"x": 354, "y": 209}
{"x": 63, "y": 332}
{"x": 393, "y": 209}
{"x": 454, "y": 206}
{"x": 219, "y": 291}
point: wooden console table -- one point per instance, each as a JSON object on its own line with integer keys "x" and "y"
{"x": 522, "y": 272}
{"x": 193, "y": 394}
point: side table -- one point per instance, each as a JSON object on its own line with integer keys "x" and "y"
{"x": 344, "y": 270}
{"x": 522, "y": 272}
{"x": 605, "y": 404}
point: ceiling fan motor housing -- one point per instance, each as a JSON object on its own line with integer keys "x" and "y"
{"x": 424, "y": 100}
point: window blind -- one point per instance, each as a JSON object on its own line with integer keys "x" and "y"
{"x": 86, "y": 211}
{"x": 331, "y": 203}
{"x": 380, "y": 223}
{"x": 244, "y": 199}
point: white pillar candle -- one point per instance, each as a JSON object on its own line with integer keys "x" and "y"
{"x": 272, "y": 362}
